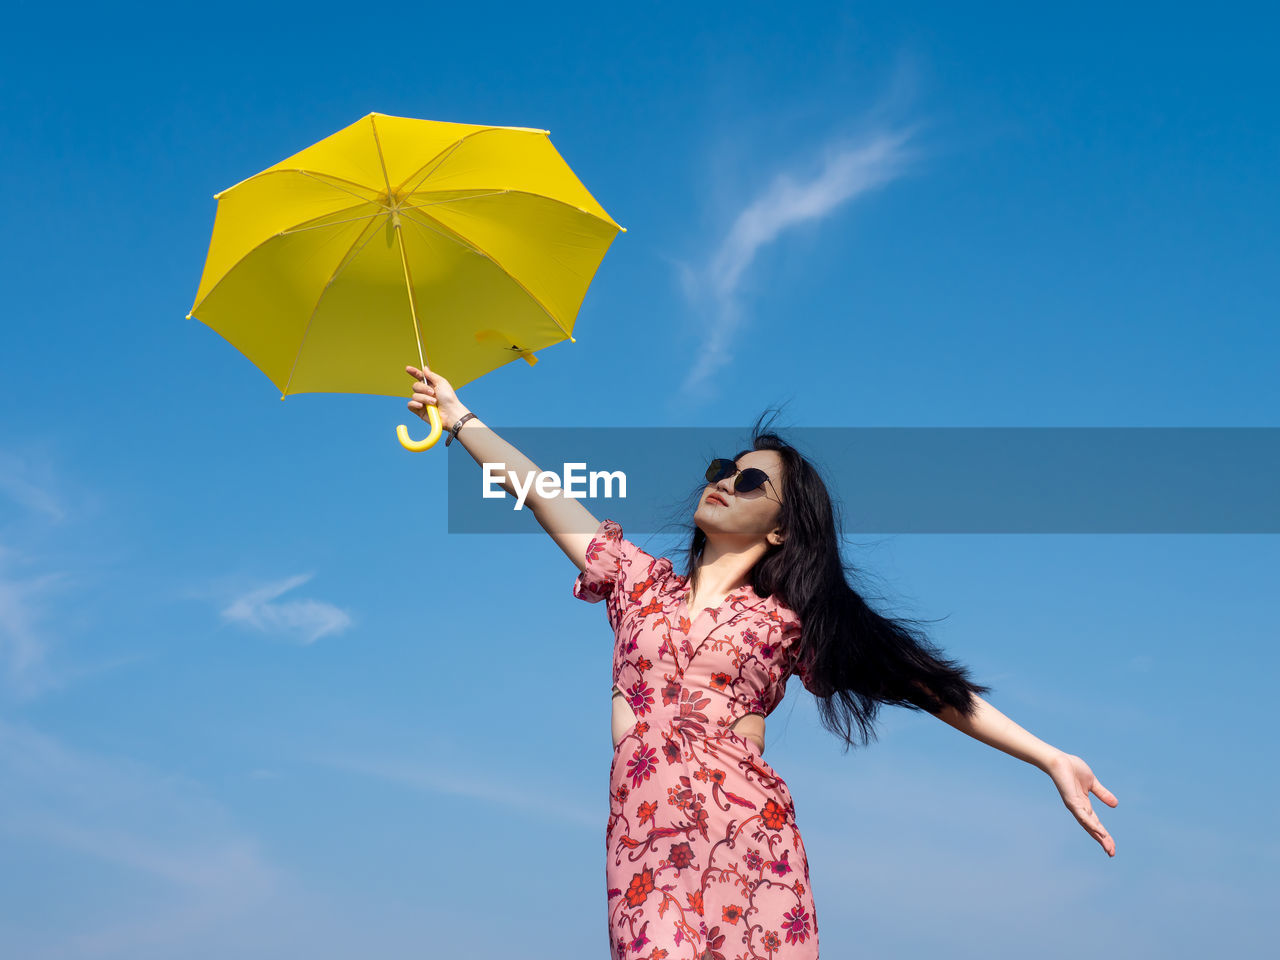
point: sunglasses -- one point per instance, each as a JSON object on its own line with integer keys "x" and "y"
{"x": 745, "y": 480}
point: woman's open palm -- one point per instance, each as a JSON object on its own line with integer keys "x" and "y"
{"x": 1075, "y": 781}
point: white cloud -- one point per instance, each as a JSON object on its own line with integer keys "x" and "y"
{"x": 24, "y": 648}
{"x": 984, "y": 850}
{"x": 848, "y": 170}
{"x": 161, "y": 833}
{"x": 28, "y": 481}
{"x": 429, "y": 779}
{"x": 311, "y": 619}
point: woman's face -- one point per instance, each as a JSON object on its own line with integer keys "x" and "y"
{"x": 751, "y": 515}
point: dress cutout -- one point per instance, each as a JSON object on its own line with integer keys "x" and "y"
{"x": 704, "y": 858}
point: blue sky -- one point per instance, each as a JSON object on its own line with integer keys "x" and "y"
{"x": 256, "y": 702}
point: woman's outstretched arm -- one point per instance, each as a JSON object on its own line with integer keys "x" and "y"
{"x": 993, "y": 728}
{"x": 570, "y": 524}
{"x": 1070, "y": 774}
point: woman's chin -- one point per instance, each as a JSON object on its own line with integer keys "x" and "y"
{"x": 714, "y": 528}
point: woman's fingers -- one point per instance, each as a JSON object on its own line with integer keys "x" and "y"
{"x": 1091, "y": 821}
{"x": 422, "y": 396}
{"x": 429, "y": 388}
{"x": 1075, "y": 781}
{"x": 416, "y": 373}
{"x": 423, "y": 390}
{"x": 1104, "y": 838}
{"x": 1109, "y": 798}
{"x": 425, "y": 378}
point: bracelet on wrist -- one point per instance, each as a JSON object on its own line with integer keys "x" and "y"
{"x": 457, "y": 425}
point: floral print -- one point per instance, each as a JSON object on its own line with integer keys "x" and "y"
{"x": 704, "y": 857}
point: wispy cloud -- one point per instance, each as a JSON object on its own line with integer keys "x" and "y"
{"x": 28, "y": 480}
{"x": 262, "y": 610}
{"x": 33, "y": 600}
{"x": 989, "y": 846}
{"x": 848, "y": 170}
{"x": 427, "y": 778}
{"x": 147, "y": 825}
{"x": 24, "y": 644}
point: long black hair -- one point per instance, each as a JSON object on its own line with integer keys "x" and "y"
{"x": 854, "y": 658}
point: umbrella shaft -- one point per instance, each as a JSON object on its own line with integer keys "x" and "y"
{"x": 408, "y": 282}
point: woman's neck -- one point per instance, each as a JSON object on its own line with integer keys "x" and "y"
{"x": 722, "y": 572}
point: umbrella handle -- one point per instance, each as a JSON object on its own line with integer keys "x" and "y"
{"x": 430, "y": 441}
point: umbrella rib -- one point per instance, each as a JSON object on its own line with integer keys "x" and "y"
{"x": 452, "y": 235}
{"x": 325, "y": 178}
{"x": 382, "y": 161}
{"x": 347, "y": 257}
{"x": 433, "y": 203}
{"x": 322, "y": 177}
{"x": 444, "y": 155}
{"x": 258, "y": 246}
{"x": 331, "y": 223}
{"x": 539, "y": 196}
{"x": 438, "y": 159}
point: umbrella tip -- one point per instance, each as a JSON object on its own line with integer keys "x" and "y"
{"x": 188, "y": 316}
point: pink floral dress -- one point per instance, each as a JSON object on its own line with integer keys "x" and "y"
{"x": 705, "y": 860}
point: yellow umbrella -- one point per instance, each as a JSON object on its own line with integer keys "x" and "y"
{"x": 478, "y": 243}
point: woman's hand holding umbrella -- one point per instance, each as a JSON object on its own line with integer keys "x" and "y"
{"x": 431, "y": 389}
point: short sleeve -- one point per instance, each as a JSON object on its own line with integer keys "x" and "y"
{"x": 608, "y": 557}
{"x": 792, "y": 632}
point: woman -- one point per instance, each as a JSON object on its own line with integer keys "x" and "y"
{"x": 705, "y": 860}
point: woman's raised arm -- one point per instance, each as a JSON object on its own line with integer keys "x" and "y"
{"x": 570, "y": 524}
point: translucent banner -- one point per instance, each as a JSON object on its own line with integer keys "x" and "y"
{"x": 902, "y": 479}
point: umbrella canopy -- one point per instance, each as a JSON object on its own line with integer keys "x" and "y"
{"x": 473, "y": 245}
